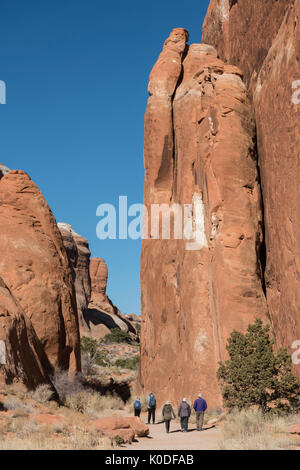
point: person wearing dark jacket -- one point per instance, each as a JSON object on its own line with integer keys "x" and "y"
{"x": 200, "y": 407}
{"x": 168, "y": 414}
{"x": 184, "y": 412}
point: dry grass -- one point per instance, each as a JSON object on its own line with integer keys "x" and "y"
{"x": 251, "y": 430}
{"x": 93, "y": 404}
{"x": 42, "y": 393}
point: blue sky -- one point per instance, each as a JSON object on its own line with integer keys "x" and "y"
{"x": 76, "y": 74}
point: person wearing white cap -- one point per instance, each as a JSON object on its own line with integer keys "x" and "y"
{"x": 200, "y": 407}
{"x": 184, "y": 412}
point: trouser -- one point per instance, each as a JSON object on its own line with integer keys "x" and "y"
{"x": 167, "y": 424}
{"x": 137, "y": 412}
{"x": 151, "y": 413}
{"x": 199, "y": 419}
{"x": 184, "y": 422}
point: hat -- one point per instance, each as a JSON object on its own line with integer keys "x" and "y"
{"x": 167, "y": 402}
{"x": 200, "y": 395}
{"x": 184, "y": 399}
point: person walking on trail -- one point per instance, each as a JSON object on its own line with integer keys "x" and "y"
{"x": 200, "y": 406}
{"x": 184, "y": 412}
{"x": 137, "y": 406}
{"x": 168, "y": 414}
{"x": 151, "y": 407}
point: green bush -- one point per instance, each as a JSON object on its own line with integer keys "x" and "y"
{"x": 138, "y": 328}
{"x": 117, "y": 336}
{"x": 88, "y": 345}
{"x": 256, "y": 375}
{"x": 130, "y": 363}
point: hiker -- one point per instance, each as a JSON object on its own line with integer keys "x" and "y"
{"x": 200, "y": 406}
{"x": 151, "y": 407}
{"x": 137, "y": 406}
{"x": 184, "y": 412}
{"x": 168, "y": 414}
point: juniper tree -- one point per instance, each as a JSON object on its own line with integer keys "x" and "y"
{"x": 255, "y": 374}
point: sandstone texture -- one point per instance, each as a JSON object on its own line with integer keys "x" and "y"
{"x": 263, "y": 39}
{"x": 199, "y": 150}
{"x": 78, "y": 252}
{"x": 23, "y": 358}
{"x": 96, "y": 312}
{"x": 35, "y": 269}
{"x": 127, "y": 428}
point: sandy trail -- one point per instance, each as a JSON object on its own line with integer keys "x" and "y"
{"x": 177, "y": 440}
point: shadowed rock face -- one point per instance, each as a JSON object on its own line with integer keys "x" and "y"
{"x": 263, "y": 39}
{"x": 78, "y": 253}
{"x": 35, "y": 268}
{"x": 22, "y": 356}
{"x": 200, "y": 149}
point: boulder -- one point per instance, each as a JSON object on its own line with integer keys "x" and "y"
{"x": 294, "y": 429}
{"x": 126, "y": 428}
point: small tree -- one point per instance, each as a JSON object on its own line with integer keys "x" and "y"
{"x": 255, "y": 374}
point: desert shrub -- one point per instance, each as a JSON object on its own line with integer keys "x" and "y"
{"x": 11, "y": 403}
{"x": 93, "y": 403}
{"x": 254, "y": 430}
{"x": 129, "y": 363}
{"x": 117, "y": 336}
{"x": 256, "y": 375}
{"x": 88, "y": 345}
{"x": 66, "y": 383}
{"x": 118, "y": 440}
{"x": 91, "y": 356}
{"x": 138, "y": 328}
{"x": 42, "y": 393}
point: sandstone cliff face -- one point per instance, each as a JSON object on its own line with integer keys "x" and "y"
{"x": 263, "y": 39}
{"x": 200, "y": 149}
{"x": 35, "y": 268}
{"x": 22, "y": 357}
{"x": 78, "y": 252}
{"x": 102, "y": 314}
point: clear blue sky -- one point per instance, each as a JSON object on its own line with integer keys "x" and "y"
{"x": 76, "y": 73}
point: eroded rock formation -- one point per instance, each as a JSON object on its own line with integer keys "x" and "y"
{"x": 78, "y": 252}
{"x": 199, "y": 149}
{"x": 35, "y": 268}
{"x": 97, "y": 314}
{"x": 21, "y": 354}
{"x": 103, "y": 315}
{"x": 263, "y": 39}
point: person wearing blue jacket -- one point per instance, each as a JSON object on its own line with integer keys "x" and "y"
{"x": 200, "y": 406}
{"x": 151, "y": 407}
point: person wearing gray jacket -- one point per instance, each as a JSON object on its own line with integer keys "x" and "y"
{"x": 184, "y": 412}
{"x": 168, "y": 414}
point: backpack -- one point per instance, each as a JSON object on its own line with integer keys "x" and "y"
{"x": 152, "y": 401}
{"x": 137, "y": 405}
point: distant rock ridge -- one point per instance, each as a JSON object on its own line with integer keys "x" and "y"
{"x": 97, "y": 314}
